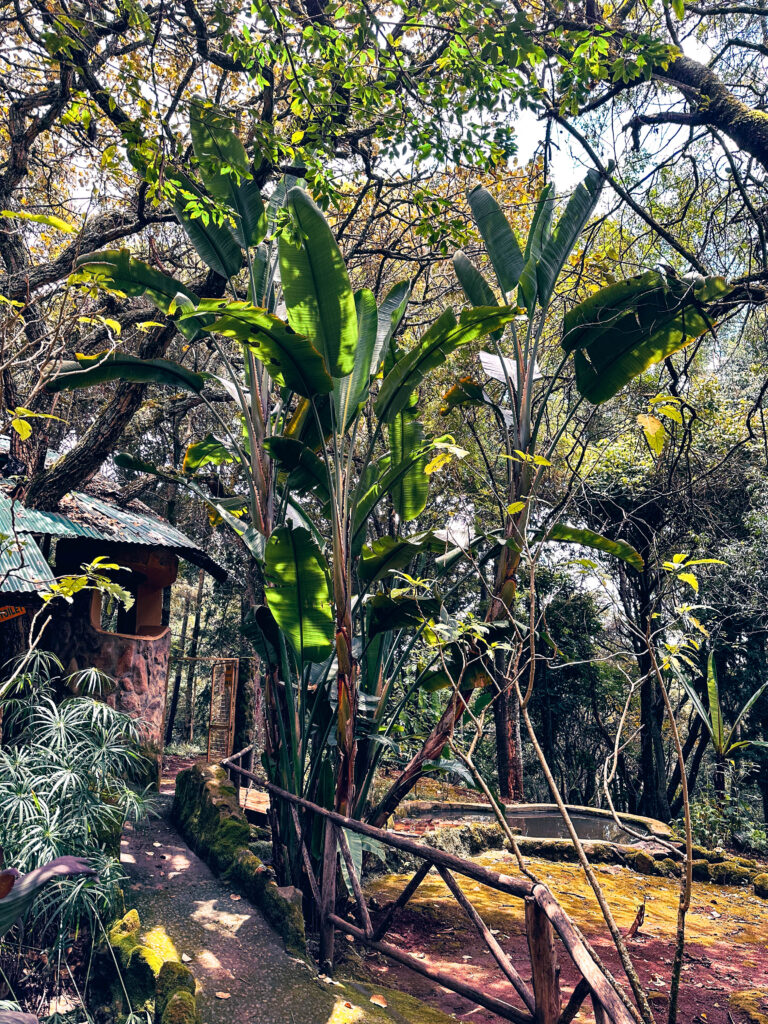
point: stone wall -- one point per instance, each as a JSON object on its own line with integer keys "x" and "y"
{"x": 207, "y": 813}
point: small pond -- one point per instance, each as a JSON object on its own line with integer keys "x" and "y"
{"x": 546, "y": 823}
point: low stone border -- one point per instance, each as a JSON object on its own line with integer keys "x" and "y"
{"x": 207, "y": 813}
{"x": 164, "y": 987}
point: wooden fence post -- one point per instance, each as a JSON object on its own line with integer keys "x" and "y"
{"x": 544, "y": 966}
{"x": 328, "y": 905}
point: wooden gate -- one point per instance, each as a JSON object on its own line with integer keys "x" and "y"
{"x": 221, "y": 725}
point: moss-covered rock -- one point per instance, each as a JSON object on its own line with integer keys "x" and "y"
{"x": 208, "y": 814}
{"x": 668, "y": 868}
{"x": 641, "y": 861}
{"x": 181, "y": 1008}
{"x": 700, "y": 870}
{"x": 760, "y": 883}
{"x": 149, "y": 978}
{"x": 728, "y": 872}
{"x": 173, "y": 977}
{"x": 138, "y": 965}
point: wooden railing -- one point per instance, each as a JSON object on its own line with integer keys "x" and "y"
{"x": 542, "y": 1003}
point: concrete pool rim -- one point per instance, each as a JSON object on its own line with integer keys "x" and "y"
{"x": 418, "y": 808}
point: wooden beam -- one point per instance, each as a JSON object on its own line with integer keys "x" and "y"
{"x": 449, "y": 981}
{"x": 328, "y": 899}
{"x": 578, "y": 952}
{"x": 402, "y": 899}
{"x": 573, "y": 1005}
{"x": 501, "y": 958}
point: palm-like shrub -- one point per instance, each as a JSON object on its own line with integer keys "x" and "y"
{"x": 65, "y": 790}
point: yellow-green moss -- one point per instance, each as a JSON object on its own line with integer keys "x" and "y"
{"x": 760, "y": 883}
{"x": 207, "y": 812}
{"x": 173, "y": 977}
{"x": 149, "y": 970}
{"x": 180, "y": 1009}
{"x": 753, "y": 1002}
{"x": 624, "y": 890}
{"x": 728, "y": 872}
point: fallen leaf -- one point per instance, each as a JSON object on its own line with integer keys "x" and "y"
{"x": 186, "y": 958}
{"x": 222, "y": 995}
{"x": 378, "y": 1000}
{"x": 234, "y": 896}
{"x": 156, "y": 845}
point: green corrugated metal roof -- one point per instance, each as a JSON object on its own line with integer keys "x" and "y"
{"x": 23, "y": 567}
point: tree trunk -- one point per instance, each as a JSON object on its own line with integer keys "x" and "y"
{"x": 509, "y": 760}
{"x": 193, "y": 644}
{"x": 171, "y": 718}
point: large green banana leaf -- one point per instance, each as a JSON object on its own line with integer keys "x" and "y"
{"x": 292, "y": 360}
{"x": 500, "y": 240}
{"x": 215, "y": 244}
{"x": 316, "y": 286}
{"x": 559, "y": 245}
{"x": 540, "y": 225}
{"x": 388, "y": 553}
{"x": 391, "y": 313}
{"x": 116, "y": 271}
{"x": 474, "y": 285}
{"x": 378, "y": 480}
{"x": 87, "y": 371}
{"x": 299, "y": 592}
{"x": 590, "y": 539}
{"x": 410, "y": 493}
{"x": 444, "y": 337}
{"x": 621, "y": 330}
{"x": 350, "y": 391}
{"x": 226, "y": 173}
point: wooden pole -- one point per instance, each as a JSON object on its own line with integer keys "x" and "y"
{"x": 328, "y": 899}
{"x": 501, "y": 958}
{"x": 402, "y": 899}
{"x": 449, "y": 981}
{"x": 362, "y": 906}
{"x": 544, "y": 966}
{"x": 580, "y": 955}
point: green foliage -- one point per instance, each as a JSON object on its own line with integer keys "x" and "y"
{"x": 622, "y": 329}
{"x": 299, "y": 592}
{"x": 64, "y": 790}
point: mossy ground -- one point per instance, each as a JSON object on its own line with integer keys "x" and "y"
{"x": 727, "y": 933}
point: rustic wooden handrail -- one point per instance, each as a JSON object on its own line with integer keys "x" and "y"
{"x": 543, "y": 915}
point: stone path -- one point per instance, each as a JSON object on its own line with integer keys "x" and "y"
{"x": 190, "y": 912}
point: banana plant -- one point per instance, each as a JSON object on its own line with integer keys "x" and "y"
{"x": 725, "y": 741}
{"x": 310, "y": 469}
{"x": 613, "y": 336}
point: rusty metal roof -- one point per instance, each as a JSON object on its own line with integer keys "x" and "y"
{"x": 23, "y": 568}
